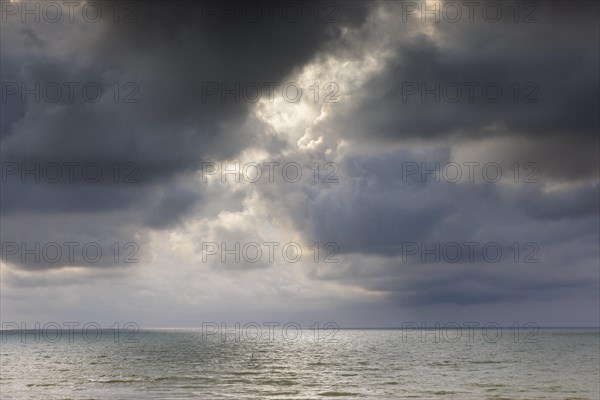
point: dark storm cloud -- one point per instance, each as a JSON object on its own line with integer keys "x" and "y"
{"x": 554, "y": 63}
{"x": 372, "y": 210}
{"x": 376, "y": 210}
{"x": 560, "y": 272}
{"x": 167, "y": 53}
{"x": 377, "y": 206}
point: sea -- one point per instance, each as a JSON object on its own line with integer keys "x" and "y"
{"x": 492, "y": 363}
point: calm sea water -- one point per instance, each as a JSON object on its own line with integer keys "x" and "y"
{"x": 377, "y": 364}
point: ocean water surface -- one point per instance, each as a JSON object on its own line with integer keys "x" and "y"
{"x": 352, "y": 363}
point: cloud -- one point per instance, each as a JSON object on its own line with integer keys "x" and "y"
{"x": 152, "y": 191}
{"x": 162, "y": 138}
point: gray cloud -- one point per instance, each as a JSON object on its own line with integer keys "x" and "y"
{"x": 370, "y": 135}
{"x": 548, "y": 53}
{"x": 167, "y": 55}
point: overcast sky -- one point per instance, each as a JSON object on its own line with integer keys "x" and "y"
{"x": 447, "y": 170}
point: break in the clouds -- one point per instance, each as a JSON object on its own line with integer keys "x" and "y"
{"x": 411, "y": 134}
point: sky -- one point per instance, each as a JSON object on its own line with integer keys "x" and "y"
{"x": 363, "y": 163}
